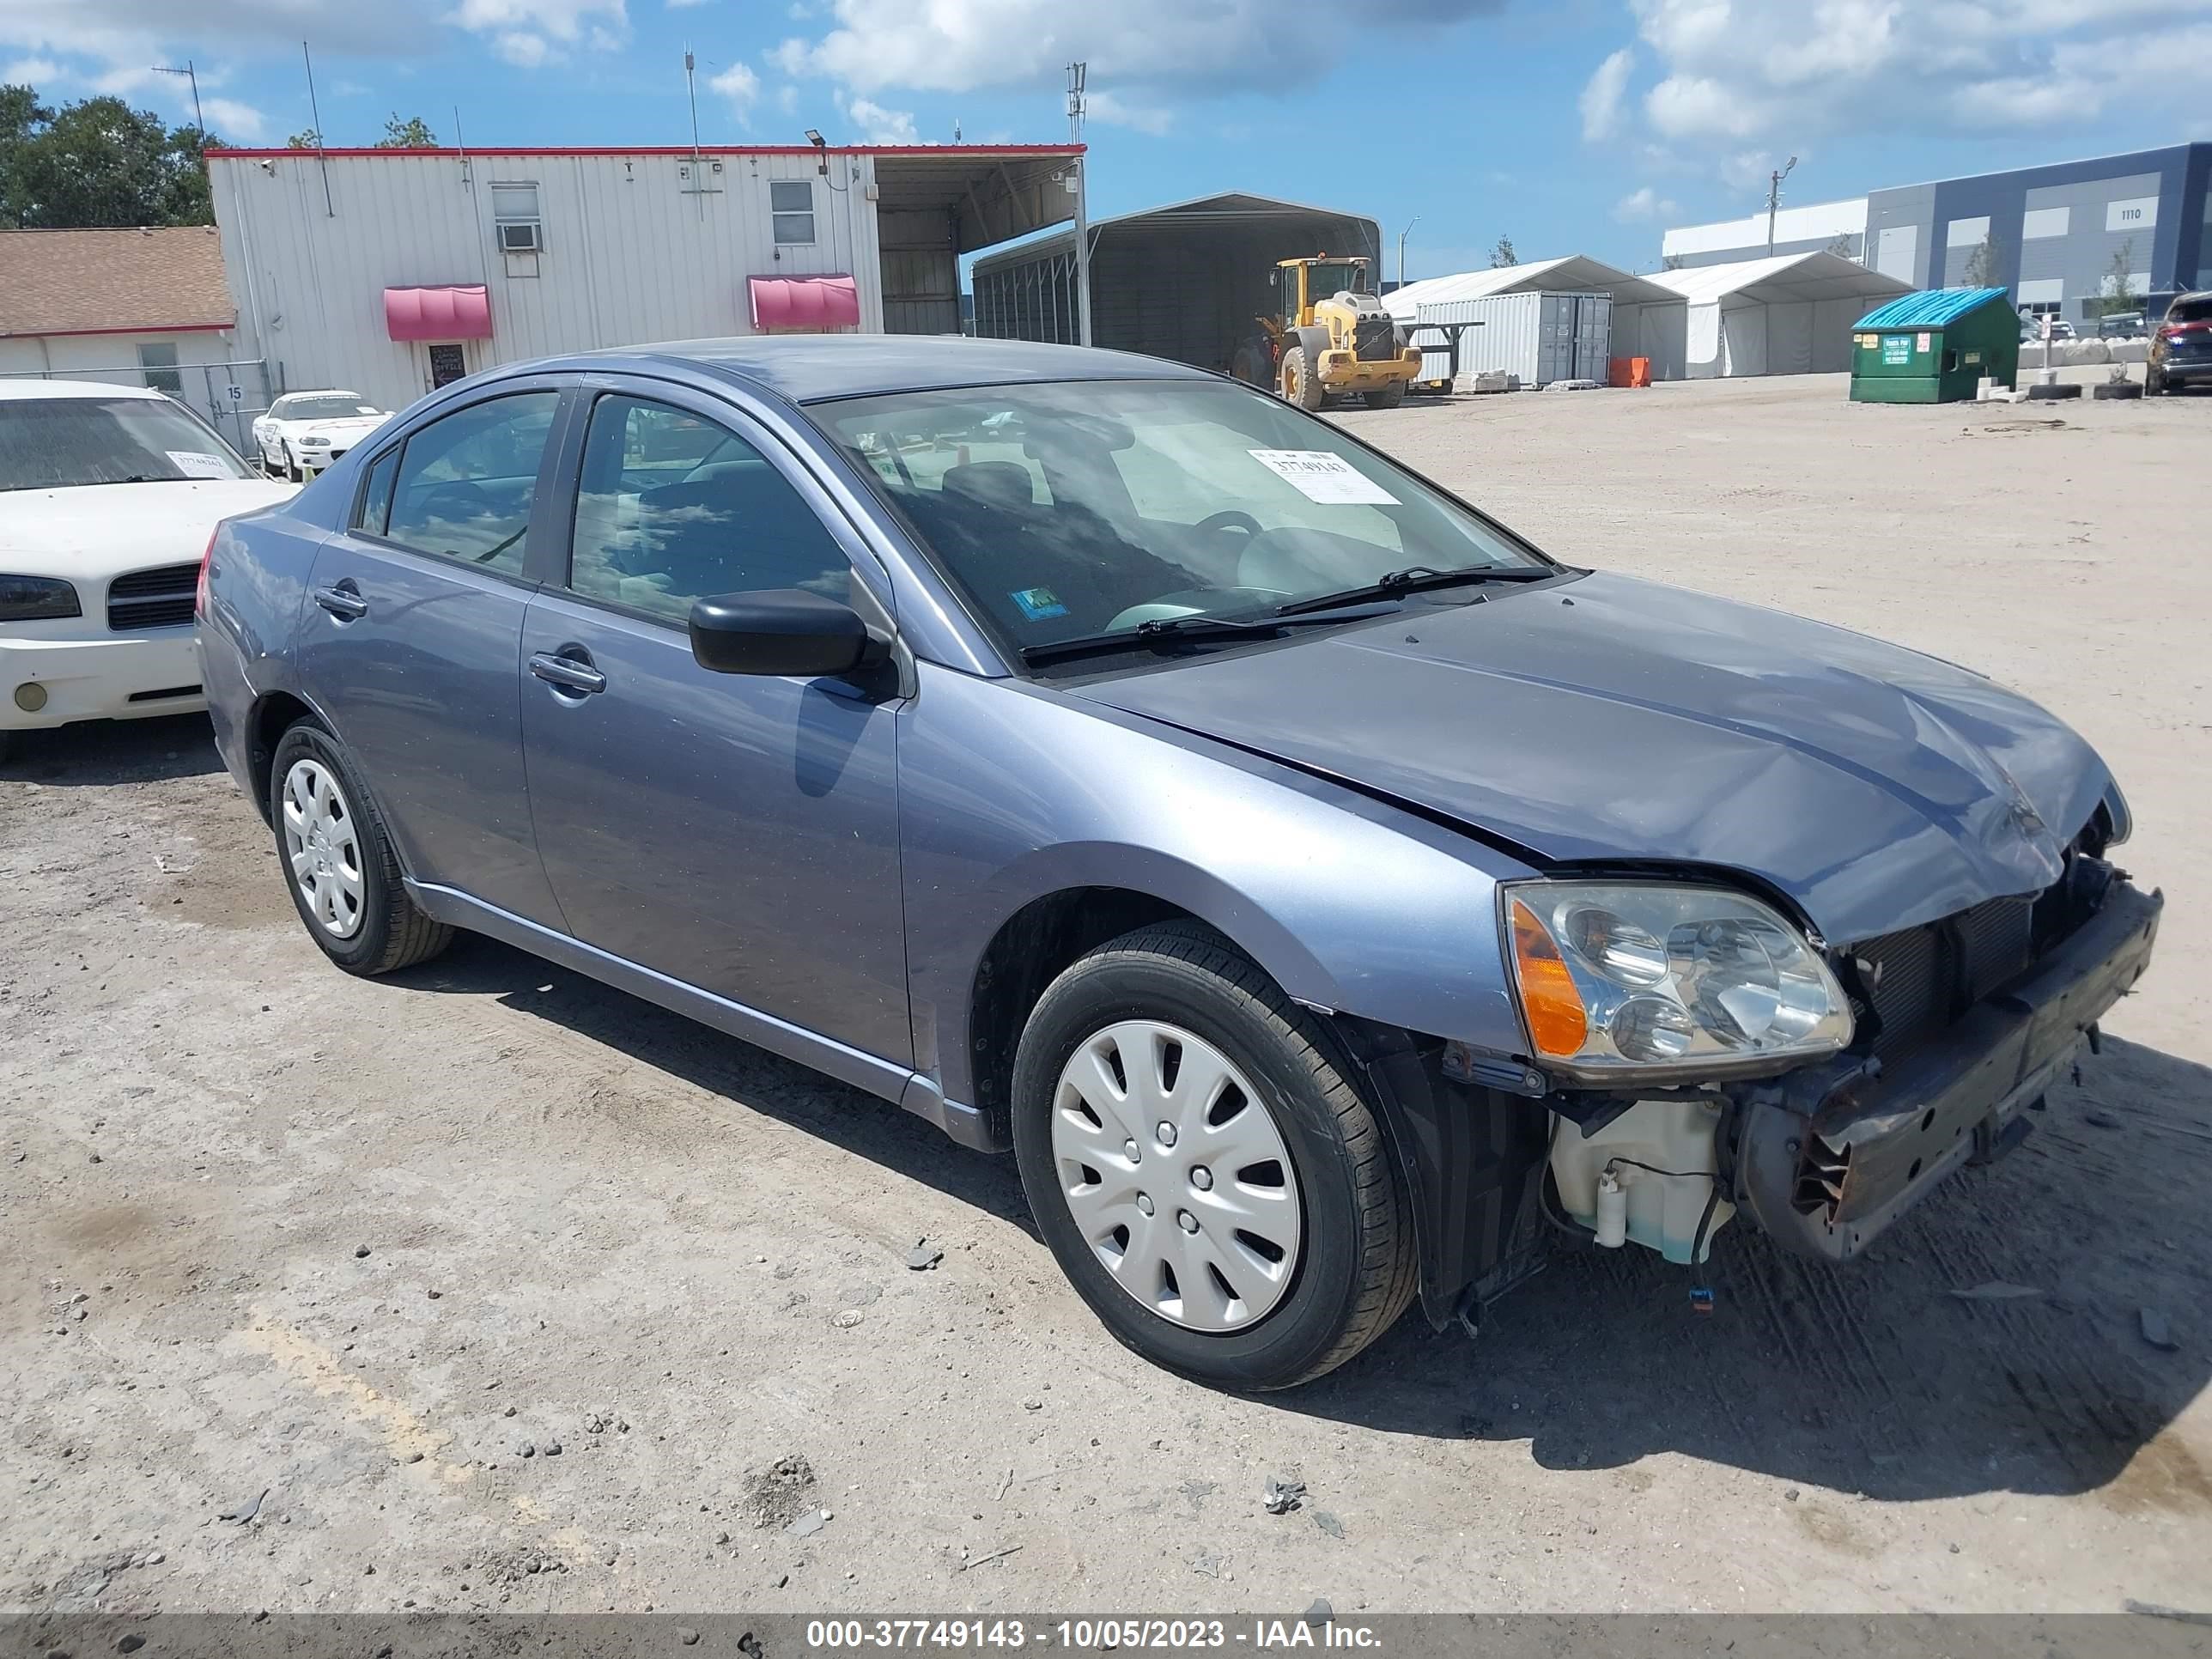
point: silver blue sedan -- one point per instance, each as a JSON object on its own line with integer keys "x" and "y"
{"x": 1331, "y": 900}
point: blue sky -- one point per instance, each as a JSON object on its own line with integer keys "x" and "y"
{"x": 1572, "y": 126}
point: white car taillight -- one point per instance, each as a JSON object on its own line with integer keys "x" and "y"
{"x": 200, "y": 594}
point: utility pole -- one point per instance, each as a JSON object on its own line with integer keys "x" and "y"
{"x": 1774, "y": 200}
{"x": 1076, "y": 74}
{"x": 1402, "y": 235}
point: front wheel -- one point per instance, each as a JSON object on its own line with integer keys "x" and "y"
{"x": 338, "y": 862}
{"x": 1295, "y": 379}
{"x": 1202, "y": 1167}
{"x": 1387, "y": 396}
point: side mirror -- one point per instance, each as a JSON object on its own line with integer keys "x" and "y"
{"x": 780, "y": 631}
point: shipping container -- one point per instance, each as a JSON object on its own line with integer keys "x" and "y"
{"x": 1540, "y": 336}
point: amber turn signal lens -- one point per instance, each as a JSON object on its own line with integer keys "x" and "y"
{"x": 1549, "y": 1001}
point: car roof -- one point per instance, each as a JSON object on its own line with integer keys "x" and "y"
{"x": 805, "y": 368}
{"x": 325, "y": 391}
{"x": 21, "y": 391}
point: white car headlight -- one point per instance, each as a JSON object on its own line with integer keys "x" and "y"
{"x": 312, "y": 442}
{"x": 1648, "y": 981}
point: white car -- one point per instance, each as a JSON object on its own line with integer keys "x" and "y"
{"x": 109, "y": 498}
{"x": 304, "y": 432}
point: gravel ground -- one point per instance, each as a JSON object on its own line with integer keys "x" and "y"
{"x": 484, "y": 1287}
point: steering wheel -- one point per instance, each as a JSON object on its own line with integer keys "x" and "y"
{"x": 1214, "y": 523}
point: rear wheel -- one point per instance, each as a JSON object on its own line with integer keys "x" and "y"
{"x": 1386, "y": 397}
{"x": 337, "y": 859}
{"x": 1297, "y": 380}
{"x": 1202, "y": 1167}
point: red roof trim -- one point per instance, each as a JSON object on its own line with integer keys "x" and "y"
{"x": 127, "y": 328}
{"x": 664, "y": 149}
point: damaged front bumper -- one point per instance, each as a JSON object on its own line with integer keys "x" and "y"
{"x": 1827, "y": 1157}
{"x": 1823, "y": 1159}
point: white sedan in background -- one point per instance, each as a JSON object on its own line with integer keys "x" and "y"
{"x": 109, "y": 498}
{"x": 304, "y": 432}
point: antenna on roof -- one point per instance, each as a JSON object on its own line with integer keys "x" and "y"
{"x": 460, "y": 143}
{"x": 315, "y": 111}
{"x": 691, "y": 91}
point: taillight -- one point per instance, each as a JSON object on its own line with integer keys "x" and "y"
{"x": 207, "y": 560}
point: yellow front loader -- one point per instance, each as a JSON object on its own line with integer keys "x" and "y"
{"x": 1333, "y": 336}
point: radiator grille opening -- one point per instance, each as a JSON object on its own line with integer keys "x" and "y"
{"x": 159, "y": 598}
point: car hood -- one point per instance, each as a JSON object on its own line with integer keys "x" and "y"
{"x": 1611, "y": 720}
{"x": 345, "y": 426}
{"x": 97, "y": 530}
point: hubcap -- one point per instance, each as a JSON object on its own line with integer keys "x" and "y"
{"x": 323, "y": 849}
{"x": 1222, "y": 1253}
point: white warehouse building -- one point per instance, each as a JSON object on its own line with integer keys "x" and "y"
{"x": 389, "y": 272}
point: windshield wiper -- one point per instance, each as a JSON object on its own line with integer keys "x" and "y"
{"x": 1418, "y": 578}
{"x": 1165, "y": 631}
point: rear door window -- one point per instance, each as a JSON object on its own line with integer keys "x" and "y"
{"x": 465, "y": 482}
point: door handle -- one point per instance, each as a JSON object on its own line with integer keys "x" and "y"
{"x": 566, "y": 674}
{"x": 343, "y": 601}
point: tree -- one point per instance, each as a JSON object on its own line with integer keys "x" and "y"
{"x": 97, "y": 162}
{"x": 1980, "y": 263}
{"x": 1840, "y": 245}
{"x": 307, "y": 138}
{"x": 1502, "y": 254}
{"x": 413, "y": 133}
{"x": 1670, "y": 262}
{"x": 2119, "y": 294}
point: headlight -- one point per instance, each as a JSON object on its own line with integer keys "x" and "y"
{"x": 36, "y": 598}
{"x": 314, "y": 443}
{"x": 1644, "y": 980}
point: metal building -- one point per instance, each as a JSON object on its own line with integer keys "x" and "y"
{"x": 2063, "y": 239}
{"x": 1549, "y": 320}
{"x": 1183, "y": 281}
{"x": 1791, "y": 314}
{"x": 388, "y": 272}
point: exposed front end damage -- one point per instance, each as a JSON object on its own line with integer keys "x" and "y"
{"x": 1961, "y": 1026}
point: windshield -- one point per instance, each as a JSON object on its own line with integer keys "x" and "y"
{"x": 55, "y": 443}
{"x": 1337, "y": 277}
{"x": 1074, "y": 509}
{"x": 337, "y": 405}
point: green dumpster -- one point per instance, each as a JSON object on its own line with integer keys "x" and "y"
{"x": 1933, "y": 347}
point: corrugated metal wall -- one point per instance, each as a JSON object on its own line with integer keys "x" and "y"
{"x": 921, "y": 273}
{"x": 1540, "y": 336}
{"x": 636, "y": 248}
{"x": 1188, "y": 292}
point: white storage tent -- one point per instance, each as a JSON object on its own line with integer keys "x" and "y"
{"x": 1646, "y": 319}
{"x": 1791, "y": 314}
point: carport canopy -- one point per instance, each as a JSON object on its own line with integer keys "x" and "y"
{"x": 986, "y": 193}
{"x": 1572, "y": 273}
{"x": 1787, "y": 278}
{"x": 1791, "y": 314}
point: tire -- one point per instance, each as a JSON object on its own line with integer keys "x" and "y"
{"x": 379, "y": 929}
{"x": 292, "y": 470}
{"x": 1386, "y": 397}
{"x": 1296, "y": 380}
{"x": 1354, "y": 1268}
{"x": 7, "y": 746}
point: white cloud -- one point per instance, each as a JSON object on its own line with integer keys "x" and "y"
{"x": 737, "y": 85}
{"x": 1741, "y": 77}
{"x": 1601, "y": 99}
{"x": 878, "y": 125}
{"x": 787, "y": 98}
{"x": 559, "y": 19}
{"x": 960, "y": 46}
{"x": 233, "y": 120}
{"x": 1643, "y": 206}
{"x": 521, "y": 48}
{"x": 1118, "y": 111}
{"x": 30, "y": 71}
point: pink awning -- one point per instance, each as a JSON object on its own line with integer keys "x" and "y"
{"x": 808, "y": 302}
{"x": 438, "y": 314}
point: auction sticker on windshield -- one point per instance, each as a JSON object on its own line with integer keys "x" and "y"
{"x": 1321, "y": 476}
{"x": 197, "y": 464}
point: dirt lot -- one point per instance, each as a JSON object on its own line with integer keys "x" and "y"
{"x": 343, "y": 1250}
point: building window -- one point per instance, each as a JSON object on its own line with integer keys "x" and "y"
{"x": 2039, "y": 222}
{"x": 515, "y": 218}
{"x": 157, "y": 359}
{"x": 791, "y": 205}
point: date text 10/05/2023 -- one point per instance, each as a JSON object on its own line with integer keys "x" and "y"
{"x": 1096, "y": 1635}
